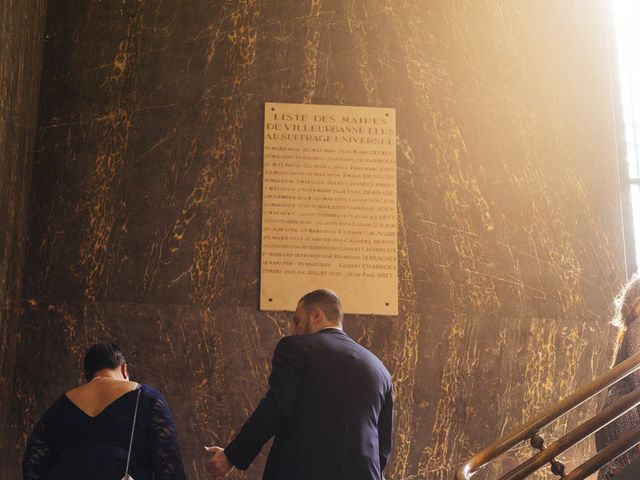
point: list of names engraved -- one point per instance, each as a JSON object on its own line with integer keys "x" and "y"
{"x": 329, "y": 206}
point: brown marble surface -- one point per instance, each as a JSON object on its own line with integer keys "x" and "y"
{"x": 21, "y": 36}
{"x": 144, "y": 222}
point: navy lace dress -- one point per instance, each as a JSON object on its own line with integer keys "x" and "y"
{"x": 68, "y": 444}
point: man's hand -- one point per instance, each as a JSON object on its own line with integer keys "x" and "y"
{"x": 218, "y": 465}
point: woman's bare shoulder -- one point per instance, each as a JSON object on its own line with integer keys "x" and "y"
{"x": 88, "y": 388}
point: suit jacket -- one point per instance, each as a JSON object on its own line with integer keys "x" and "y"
{"x": 330, "y": 408}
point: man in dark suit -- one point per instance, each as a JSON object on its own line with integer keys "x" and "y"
{"x": 329, "y": 405}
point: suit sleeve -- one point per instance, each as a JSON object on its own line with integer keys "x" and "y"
{"x": 274, "y": 409}
{"x": 385, "y": 429}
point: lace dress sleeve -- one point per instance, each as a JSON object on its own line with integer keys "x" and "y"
{"x": 165, "y": 451}
{"x": 38, "y": 455}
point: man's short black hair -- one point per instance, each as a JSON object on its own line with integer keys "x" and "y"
{"x": 325, "y": 300}
{"x": 100, "y": 356}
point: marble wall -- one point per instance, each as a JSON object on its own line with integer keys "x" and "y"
{"x": 21, "y": 36}
{"x": 144, "y": 225}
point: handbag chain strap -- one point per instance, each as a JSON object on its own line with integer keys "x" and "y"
{"x": 133, "y": 429}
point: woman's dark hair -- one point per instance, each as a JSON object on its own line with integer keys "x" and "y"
{"x": 100, "y": 356}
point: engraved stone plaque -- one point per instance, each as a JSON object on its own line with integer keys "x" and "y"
{"x": 329, "y": 207}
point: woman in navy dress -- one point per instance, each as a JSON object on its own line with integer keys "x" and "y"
{"x": 86, "y": 433}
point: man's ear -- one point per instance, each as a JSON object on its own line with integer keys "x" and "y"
{"x": 317, "y": 315}
{"x": 124, "y": 371}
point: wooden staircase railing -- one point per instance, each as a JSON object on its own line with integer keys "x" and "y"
{"x": 529, "y": 431}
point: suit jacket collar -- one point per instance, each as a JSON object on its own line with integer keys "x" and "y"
{"x": 332, "y": 330}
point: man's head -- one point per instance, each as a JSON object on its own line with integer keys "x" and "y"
{"x": 315, "y": 311}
